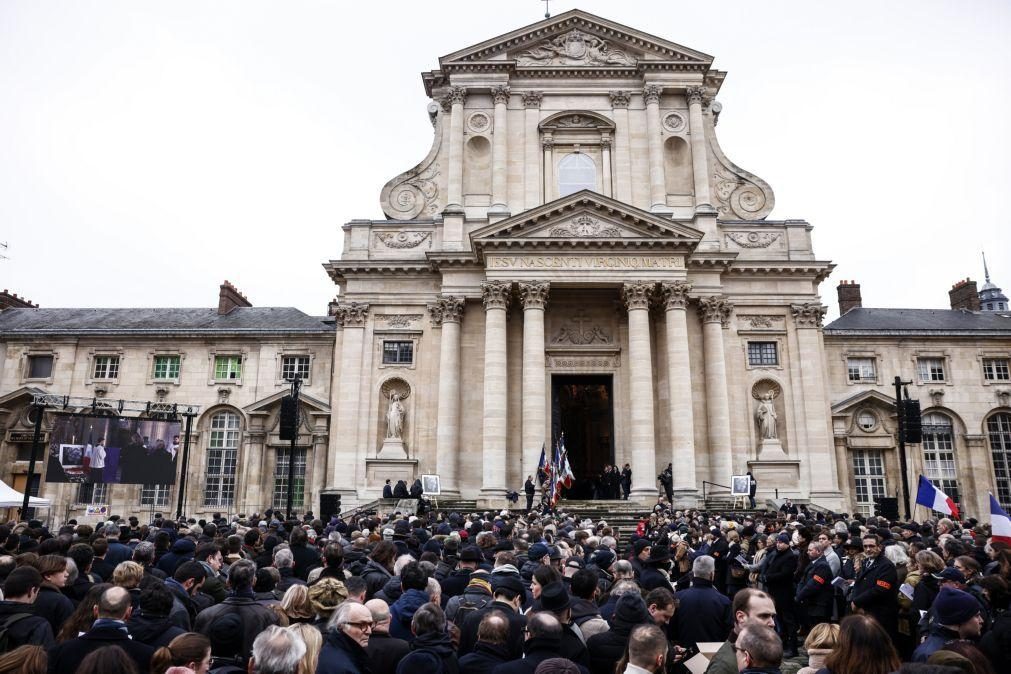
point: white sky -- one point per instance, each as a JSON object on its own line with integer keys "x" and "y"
{"x": 149, "y": 150}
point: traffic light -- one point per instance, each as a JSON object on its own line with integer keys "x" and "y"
{"x": 288, "y": 427}
{"x": 913, "y": 432}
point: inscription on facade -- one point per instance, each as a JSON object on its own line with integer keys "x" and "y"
{"x": 586, "y": 262}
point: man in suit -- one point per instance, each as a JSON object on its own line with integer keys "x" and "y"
{"x": 109, "y": 629}
{"x": 387, "y": 490}
{"x": 876, "y": 589}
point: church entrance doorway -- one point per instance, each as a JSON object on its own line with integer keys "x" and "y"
{"x": 582, "y": 407}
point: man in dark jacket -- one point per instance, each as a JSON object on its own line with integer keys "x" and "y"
{"x": 385, "y": 652}
{"x": 529, "y": 489}
{"x": 703, "y": 614}
{"x": 109, "y": 629}
{"x": 345, "y": 641}
{"x": 181, "y": 551}
{"x": 509, "y": 597}
{"x": 400, "y": 490}
{"x": 151, "y": 624}
{"x": 656, "y": 568}
{"x": 184, "y": 584}
{"x": 779, "y": 568}
{"x": 213, "y": 589}
{"x": 544, "y": 635}
{"x": 23, "y": 626}
{"x": 306, "y": 556}
{"x": 413, "y": 581}
{"x": 456, "y": 582}
{"x": 876, "y": 589}
{"x": 432, "y": 649}
{"x": 284, "y": 562}
{"x": 958, "y": 616}
{"x": 815, "y": 592}
{"x": 241, "y": 602}
{"x": 491, "y": 649}
{"x": 626, "y": 481}
{"x": 83, "y": 557}
{"x": 555, "y": 598}
{"x": 387, "y": 490}
{"x": 607, "y": 648}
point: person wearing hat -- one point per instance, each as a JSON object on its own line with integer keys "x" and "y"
{"x": 509, "y": 595}
{"x": 476, "y": 595}
{"x": 543, "y": 637}
{"x": 555, "y": 598}
{"x": 456, "y": 581}
{"x": 657, "y": 569}
{"x": 640, "y": 555}
{"x": 876, "y": 588}
{"x": 607, "y": 648}
{"x": 957, "y": 615}
{"x": 780, "y": 565}
{"x": 601, "y": 562}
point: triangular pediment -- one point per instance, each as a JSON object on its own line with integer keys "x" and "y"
{"x": 587, "y": 219}
{"x": 269, "y": 403}
{"x": 20, "y": 396}
{"x": 863, "y": 399}
{"x": 577, "y": 38}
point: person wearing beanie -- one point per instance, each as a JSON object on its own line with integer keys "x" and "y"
{"x": 607, "y": 648}
{"x": 957, "y": 617}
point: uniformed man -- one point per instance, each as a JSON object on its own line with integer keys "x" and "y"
{"x": 876, "y": 589}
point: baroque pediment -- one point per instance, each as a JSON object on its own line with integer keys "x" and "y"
{"x": 586, "y": 219}
{"x": 577, "y": 39}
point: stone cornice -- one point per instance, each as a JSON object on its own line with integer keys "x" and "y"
{"x": 819, "y": 270}
{"x": 339, "y": 269}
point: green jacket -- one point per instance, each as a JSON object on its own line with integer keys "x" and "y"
{"x": 724, "y": 660}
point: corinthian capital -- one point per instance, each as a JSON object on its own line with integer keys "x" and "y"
{"x": 636, "y": 295}
{"x": 532, "y": 99}
{"x": 457, "y": 95}
{"x": 500, "y": 94}
{"x": 809, "y": 314}
{"x": 496, "y": 294}
{"x": 675, "y": 294}
{"x": 619, "y": 99}
{"x": 451, "y": 309}
{"x": 534, "y": 295}
{"x": 352, "y": 314}
{"x": 694, "y": 95}
{"x": 651, "y": 93}
{"x": 715, "y": 309}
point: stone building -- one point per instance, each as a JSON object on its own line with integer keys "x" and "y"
{"x": 576, "y": 254}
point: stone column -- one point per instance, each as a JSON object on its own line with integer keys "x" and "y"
{"x": 640, "y": 374}
{"x": 605, "y": 160}
{"x": 496, "y": 303}
{"x": 448, "y": 312}
{"x": 679, "y": 382}
{"x": 531, "y": 175}
{"x": 807, "y": 318}
{"x": 347, "y": 471}
{"x": 700, "y": 160}
{"x": 499, "y": 169}
{"x": 454, "y": 190}
{"x": 623, "y": 156}
{"x": 657, "y": 183}
{"x": 715, "y": 312}
{"x": 547, "y": 192}
{"x": 534, "y": 296}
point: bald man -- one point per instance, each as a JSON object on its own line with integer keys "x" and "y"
{"x": 385, "y": 652}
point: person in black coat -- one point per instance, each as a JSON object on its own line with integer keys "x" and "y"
{"x": 607, "y": 648}
{"x": 656, "y": 569}
{"x": 509, "y": 597}
{"x": 306, "y": 557}
{"x": 491, "y": 649}
{"x": 704, "y": 613}
{"x": 343, "y": 649}
{"x": 456, "y": 582}
{"x": 385, "y": 652}
{"x": 22, "y": 587}
{"x": 555, "y": 598}
{"x": 51, "y": 603}
{"x": 876, "y": 590}
{"x": 626, "y": 481}
{"x": 815, "y": 592}
{"x": 400, "y": 490}
{"x": 151, "y": 624}
{"x": 544, "y": 635}
{"x": 387, "y": 490}
{"x": 416, "y": 489}
{"x": 667, "y": 480}
{"x": 752, "y": 489}
{"x": 432, "y": 650}
{"x": 109, "y": 629}
{"x": 529, "y": 489}
{"x": 779, "y": 569}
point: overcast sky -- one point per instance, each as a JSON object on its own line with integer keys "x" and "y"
{"x": 149, "y": 150}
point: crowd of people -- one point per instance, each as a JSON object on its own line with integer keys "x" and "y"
{"x": 505, "y": 593}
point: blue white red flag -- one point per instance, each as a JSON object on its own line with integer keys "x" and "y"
{"x": 930, "y": 496}
{"x": 1000, "y": 523}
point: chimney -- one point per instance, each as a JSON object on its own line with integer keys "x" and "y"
{"x": 229, "y": 298}
{"x": 963, "y": 295}
{"x": 9, "y": 300}
{"x": 849, "y": 296}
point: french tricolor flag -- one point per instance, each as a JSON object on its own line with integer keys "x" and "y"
{"x": 1000, "y": 523}
{"x": 930, "y": 496}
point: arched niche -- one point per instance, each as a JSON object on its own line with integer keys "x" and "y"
{"x": 477, "y": 171}
{"x": 677, "y": 160}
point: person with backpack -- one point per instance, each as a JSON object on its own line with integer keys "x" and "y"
{"x": 19, "y": 626}
{"x": 475, "y": 596}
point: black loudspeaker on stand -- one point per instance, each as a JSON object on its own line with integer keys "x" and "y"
{"x": 329, "y": 506}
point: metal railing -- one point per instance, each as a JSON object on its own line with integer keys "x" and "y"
{"x": 715, "y": 484}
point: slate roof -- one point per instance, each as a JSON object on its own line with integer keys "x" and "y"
{"x": 155, "y": 321}
{"x": 939, "y": 322}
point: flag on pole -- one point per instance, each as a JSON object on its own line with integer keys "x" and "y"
{"x": 1000, "y": 523}
{"x": 541, "y": 468}
{"x": 556, "y": 482}
{"x": 566, "y": 470}
{"x": 930, "y": 496}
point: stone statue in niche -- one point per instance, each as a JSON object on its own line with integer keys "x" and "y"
{"x": 396, "y": 391}
{"x": 766, "y": 416}
{"x": 395, "y": 417}
{"x": 766, "y": 391}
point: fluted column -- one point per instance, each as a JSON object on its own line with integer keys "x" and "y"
{"x": 622, "y": 152}
{"x": 531, "y": 150}
{"x": 715, "y": 313}
{"x": 534, "y": 296}
{"x": 657, "y": 184}
{"x": 679, "y": 383}
{"x": 496, "y": 295}
{"x": 454, "y": 189}
{"x": 640, "y": 374}
{"x": 700, "y": 160}
{"x": 347, "y": 471}
{"x": 807, "y": 318}
{"x": 500, "y": 137}
{"x": 447, "y": 312}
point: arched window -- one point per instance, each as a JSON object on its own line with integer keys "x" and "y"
{"x": 939, "y": 454}
{"x": 222, "y": 455}
{"x": 998, "y": 430}
{"x": 576, "y": 172}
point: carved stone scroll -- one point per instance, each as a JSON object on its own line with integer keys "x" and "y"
{"x": 400, "y": 240}
{"x": 753, "y": 239}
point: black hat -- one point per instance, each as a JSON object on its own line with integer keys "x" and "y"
{"x": 554, "y": 552}
{"x": 554, "y": 597}
{"x": 659, "y": 553}
{"x": 853, "y": 543}
{"x": 641, "y": 545}
{"x": 471, "y": 554}
{"x": 603, "y": 558}
{"x": 402, "y": 528}
{"x": 511, "y": 583}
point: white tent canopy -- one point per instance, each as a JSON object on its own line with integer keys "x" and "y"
{"x": 11, "y": 498}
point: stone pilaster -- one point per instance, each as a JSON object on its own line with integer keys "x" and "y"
{"x": 531, "y": 147}
{"x": 700, "y": 160}
{"x": 605, "y": 160}
{"x": 454, "y": 190}
{"x": 496, "y": 296}
{"x": 640, "y": 374}
{"x": 657, "y": 183}
{"x": 448, "y": 311}
{"x": 548, "y": 189}
{"x": 534, "y": 296}
{"x": 679, "y": 382}
{"x": 715, "y": 312}
{"x": 346, "y": 472}
{"x": 623, "y": 157}
{"x": 500, "y": 138}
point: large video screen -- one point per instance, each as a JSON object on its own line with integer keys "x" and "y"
{"x": 114, "y": 450}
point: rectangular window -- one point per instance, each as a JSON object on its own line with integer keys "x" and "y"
{"x": 90, "y": 493}
{"x": 996, "y": 369}
{"x": 869, "y": 478}
{"x": 166, "y": 367}
{"x": 24, "y": 452}
{"x": 939, "y": 459}
{"x": 281, "y": 478}
{"x": 861, "y": 369}
{"x": 40, "y": 367}
{"x": 930, "y": 369}
{"x": 222, "y": 456}
{"x": 762, "y": 353}
{"x": 227, "y": 367}
{"x": 292, "y": 366}
{"x": 155, "y": 494}
{"x": 106, "y": 367}
{"x": 398, "y": 353}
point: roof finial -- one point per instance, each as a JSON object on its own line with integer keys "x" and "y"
{"x": 986, "y": 272}
{"x": 547, "y": 8}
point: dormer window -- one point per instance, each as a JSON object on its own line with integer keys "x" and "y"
{"x": 576, "y": 172}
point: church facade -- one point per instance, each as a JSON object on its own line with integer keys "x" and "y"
{"x": 576, "y": 257}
